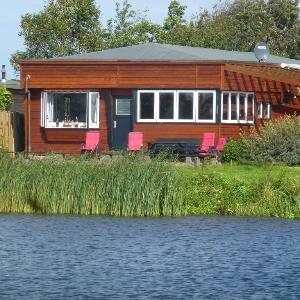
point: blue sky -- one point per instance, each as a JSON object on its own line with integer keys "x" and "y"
{"x": 12, "y": 10}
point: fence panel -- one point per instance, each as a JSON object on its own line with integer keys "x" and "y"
{"x": 11, "y": 132}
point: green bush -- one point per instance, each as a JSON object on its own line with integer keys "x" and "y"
{"x": 233, "y": 151}
{"x": 5, "y": 99}
{"x": 277, "y": 142}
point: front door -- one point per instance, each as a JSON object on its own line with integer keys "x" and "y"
{"x": 122, "y": 122}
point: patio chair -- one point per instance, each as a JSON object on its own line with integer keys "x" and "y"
{"x": 135, "y": 141}
{"x": 91, "y": 142}
{"x": 207, "y": 144}
{"x": 220, "y": 146}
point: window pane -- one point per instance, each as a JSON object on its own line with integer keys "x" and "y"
{"x": 68, "y": 108}
{"x": 123, "y": 107}
{"x": 242, "y": 113}
{"x": 94, "y": 107}
{"x": 146, "y": 105}
{"x": 250, "y": 107}
{"x": 225, "y": 106}
{"x": 205, "y": 106}
{"x": 233, "y": 106}
{"x": 185, "y": 109}
{"x": 166, "y": 105}
{"x": 267, "y": 110}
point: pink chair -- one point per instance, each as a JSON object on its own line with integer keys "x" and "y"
{"x": 220, "y": 146}
{"x": 207, "y": 143}
{"x": 91, "y": 142}
{"x": 135, "y": 141}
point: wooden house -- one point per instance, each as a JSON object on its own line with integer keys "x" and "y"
{"x": 164, "y": 91}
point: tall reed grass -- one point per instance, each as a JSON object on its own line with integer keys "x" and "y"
{"x": 129, "y": 185}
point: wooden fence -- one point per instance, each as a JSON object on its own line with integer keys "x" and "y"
{"x": 12, "y": 138}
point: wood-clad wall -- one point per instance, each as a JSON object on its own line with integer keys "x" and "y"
{"x": 164, "y": 130}
{"x": 134, "y": 75}
{"x": 61, "y": 140}
{"x": 120, "y": 79}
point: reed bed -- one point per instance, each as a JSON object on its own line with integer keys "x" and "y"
{"x": 128, "y": 185}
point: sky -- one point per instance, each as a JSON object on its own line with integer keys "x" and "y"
{"x": 12, "y": 10}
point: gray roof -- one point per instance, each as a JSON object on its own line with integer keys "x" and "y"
{"x": 12, "y": 84}
{"x": 165, "y": 52}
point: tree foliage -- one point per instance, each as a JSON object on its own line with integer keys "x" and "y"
{"x": 66, "y": 27}
{"x": 5, "y": 98}
{"x": 63, "y": 27}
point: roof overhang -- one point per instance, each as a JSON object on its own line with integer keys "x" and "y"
{"x": 269, "y": 72}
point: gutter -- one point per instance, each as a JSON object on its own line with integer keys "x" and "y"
{"x": 27, "y": 93}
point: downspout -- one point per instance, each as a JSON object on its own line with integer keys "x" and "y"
{"x": 27, "y": 93}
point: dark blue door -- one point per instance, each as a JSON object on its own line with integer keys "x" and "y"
{"x": 122, "y": 122}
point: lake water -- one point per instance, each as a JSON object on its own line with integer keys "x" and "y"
{"x": 59, "y": 257}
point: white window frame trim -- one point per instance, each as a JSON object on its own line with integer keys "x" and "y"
{"x": 175, "y": 109}
{"x": 52, "y": 125}
{"x": 268, "y": 110}
{"x": 89, "y": 117}
{"x": 176, "y": 119}
{"x": 213, "y": 120}
{"x": 139, "y": 107}
{"x": 238, "y": 121}
{"x": 193, "y": 120}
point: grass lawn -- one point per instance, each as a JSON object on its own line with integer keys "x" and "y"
{"x": 245, "y": 190}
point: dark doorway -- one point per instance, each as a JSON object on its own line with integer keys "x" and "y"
{"x": 122, "y": 123}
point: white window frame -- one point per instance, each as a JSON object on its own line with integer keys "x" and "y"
{"x": 268, "y": 111}
{"x": 213, "y": 120}
{"x": 193, "y": 120}
{"x": 238, "y": 121}
{"x": 176, "y": 118}
{"x": 155, "y": 109}
{"x": 260, "y": 110}
{"x": 175, "y": 114}
{"x": 52, "y": 125}
{"x": 90, "y": 123}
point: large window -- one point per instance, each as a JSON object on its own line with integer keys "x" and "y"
{"x": 206, "y": 106}
{"x": 237, "y": 107}
{"x": 176, "y": 106}
{"x": 70, "y": 110}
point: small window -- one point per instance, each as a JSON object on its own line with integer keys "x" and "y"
{"x": 94, "y": 110}
{"x": 250, "y": 108}
{"x": 263, "y": 110}
{"x": 166, "y": 105}
{"x": 206, "y": 106}
{"x": 185, "y": 105}
{"x": 225, "y": 106}
{"x": 242, "y": 107}
{"x": 233, "y": 108}
{"x": 123, "y": 107}
{"x": 146, "y": 106}
{"x": 267, "y": 110}
{"x": 259, "y": 110}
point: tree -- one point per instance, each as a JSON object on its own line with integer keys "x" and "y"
{"x": 63, "y": 27}
{"x": 174, "y": 29}
{"x": 5, "y": 98}
{"x": 128, "y": 27}
{"x": 240, "y": 24}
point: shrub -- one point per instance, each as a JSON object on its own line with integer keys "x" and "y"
{"x": 277, "y": 142}
{"x": 233, "y": 151}
{"x": 5, "y": 99}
